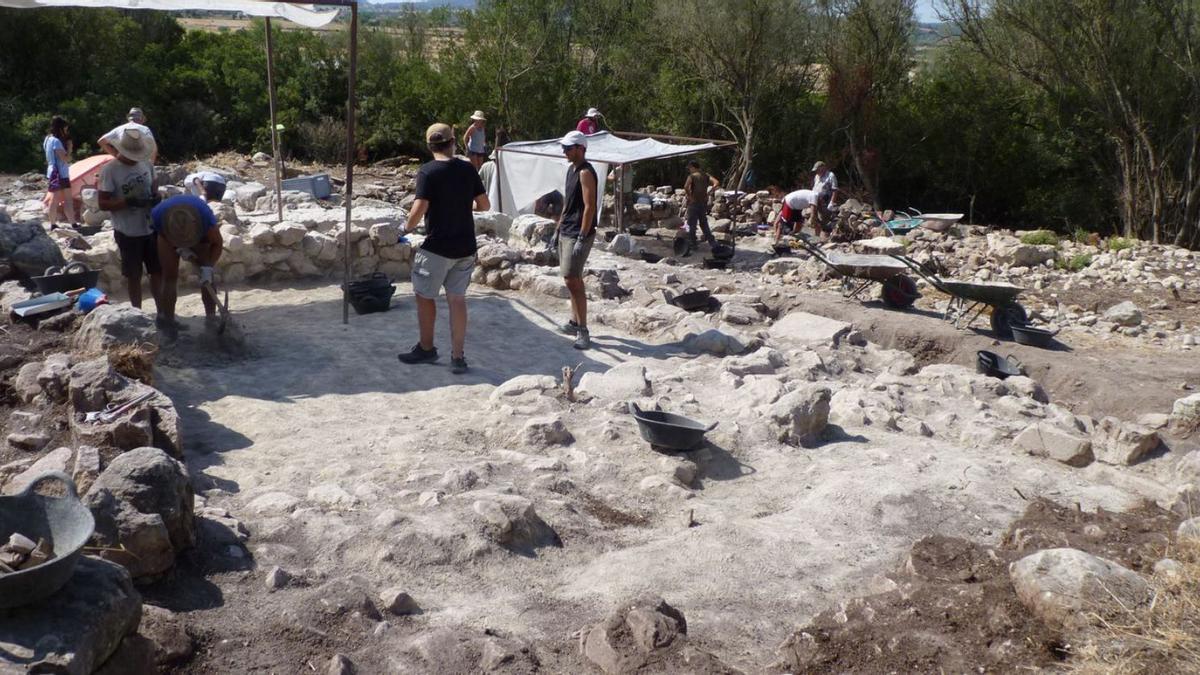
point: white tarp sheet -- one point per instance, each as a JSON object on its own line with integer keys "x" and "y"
{"x": 530, "y": 169}
{"x": 305, "y": 15}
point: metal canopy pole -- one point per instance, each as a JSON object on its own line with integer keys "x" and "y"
{"x": 274, "y": 125}
{"x": 350, "y": 109}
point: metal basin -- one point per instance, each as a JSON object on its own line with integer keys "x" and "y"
{"x": 63, "y": 521}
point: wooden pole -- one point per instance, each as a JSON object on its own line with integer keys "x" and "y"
{"x": 350, "y": 109}
{"x": 275, "y": 160}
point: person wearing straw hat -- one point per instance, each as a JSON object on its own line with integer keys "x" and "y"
{"x": 590, "y": 123}
{"x": 186, "y": 228}
{"x": 825, "y": 185}
{"x": 126, "y": 190}
{"x": 475, "y": 139}
{"x": 135, "y": 119}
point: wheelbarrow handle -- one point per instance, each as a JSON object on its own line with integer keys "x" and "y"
{"x": 66, "y": 480}
{"x": 711, "y": 427}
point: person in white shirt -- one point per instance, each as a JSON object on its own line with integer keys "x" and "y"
{"x": 795, "y": 204}
{"x": 135, "y": 119}
{"x": 825, "y": 185}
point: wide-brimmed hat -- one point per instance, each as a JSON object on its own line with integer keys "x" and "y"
{"x": 135, "y": 144}
{"x": 574, "y": 138}
{"x": 479, "y": 116}
{"x": 592, "y": 112}
{"x": 135, "y": 114}
{"x": 181, "y": 226}
{"x": 439, "y": 133}
{"x": 818, "y": 165}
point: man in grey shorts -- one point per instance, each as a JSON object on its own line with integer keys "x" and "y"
{"x": 447, "y": 189}
{"x": 576, "y": 232}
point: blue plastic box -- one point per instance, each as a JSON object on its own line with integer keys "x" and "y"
{"x": 317, "y": 185}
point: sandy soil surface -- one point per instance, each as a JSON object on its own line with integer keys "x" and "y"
{"x": 341, "y": 461}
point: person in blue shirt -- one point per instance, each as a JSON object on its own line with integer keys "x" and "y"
{"x": 186, "y": 228}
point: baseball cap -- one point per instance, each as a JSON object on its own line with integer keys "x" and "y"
{"x": 574, "y": 138}
{"x": 439, "y": 133}
{"x": 592, "y": 112}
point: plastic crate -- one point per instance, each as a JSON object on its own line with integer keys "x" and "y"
{"x": 317, "y": 185}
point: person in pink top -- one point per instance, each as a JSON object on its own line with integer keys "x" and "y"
{"x": 589, "y": 124}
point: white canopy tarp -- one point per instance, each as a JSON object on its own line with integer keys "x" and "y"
{"x": 530, "y": 169}
{"x": 305, "y": 15}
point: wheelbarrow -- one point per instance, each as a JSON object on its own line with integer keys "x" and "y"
{"x": 969, "y": 300}
{"x": 860, "y": 271}
{"x": 64, "y": 522}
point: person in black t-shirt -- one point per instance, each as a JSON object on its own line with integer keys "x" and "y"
{"x": 576, "y": 232}
{"x": 447, "y": 189}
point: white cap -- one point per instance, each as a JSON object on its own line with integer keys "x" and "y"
{"x": 592, "y": 112}
{"x": 574, "y": 138}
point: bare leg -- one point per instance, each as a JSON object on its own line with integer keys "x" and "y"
{"x": 156, "y": 283}
{"x": 426, "y": 317}
{"x": 69, "y": 207}
{"x": 578, "y": 300}
{"x": 133, "y": 286}
{"x": 169, "y": 292}
{"x": 458, "y": 324}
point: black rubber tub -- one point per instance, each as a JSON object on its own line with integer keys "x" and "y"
{"x": 63, "y": 521}
{"x": 668, "y": 430}
{"x": 76, "y": 275}
{"x": 994, "y": 365}
{"x": 1033, "y": 337}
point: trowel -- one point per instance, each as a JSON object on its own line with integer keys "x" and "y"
{"x": 210, "y": 291}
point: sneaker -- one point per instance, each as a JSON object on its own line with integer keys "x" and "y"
{"x": 458, "y": 365}
{"x": 584, "y": 340}
{"x": 570, "y": 328}
{"x": 168, "y": 329}
{"x": 418, "y": 355}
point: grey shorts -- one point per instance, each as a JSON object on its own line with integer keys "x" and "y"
{"x": 569, "y": 264}
{"x": 431, "y": 272}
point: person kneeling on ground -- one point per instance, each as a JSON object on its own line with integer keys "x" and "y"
{"x": 187, "y": 229}
{"x": 795, "y": 204}
{"x": 576, "y": 232}
{"x": 447, "y": 189}
{"x": 126, "y": 190}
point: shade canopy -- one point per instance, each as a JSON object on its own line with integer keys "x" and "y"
{"x": 530, "y": 169}
{"x": 305, "y": 15}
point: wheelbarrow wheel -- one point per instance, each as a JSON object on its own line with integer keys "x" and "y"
{"x": 1003, "y": 318}
{"x": 899, "y": 292}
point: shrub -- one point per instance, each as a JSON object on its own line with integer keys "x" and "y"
{"x": 1040, "y": 238}
{"x": 1119, "y": 244}
{"x": 1074, "y": 263}
{"x": 323, "y": 141}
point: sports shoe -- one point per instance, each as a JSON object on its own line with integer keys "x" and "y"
{"x": 570, "y": 328}
{"x": 584, "y": 339}
{"x": 418, "y": 355}
{"x": 458, "y": 365}
{"x": 168, "y": 329}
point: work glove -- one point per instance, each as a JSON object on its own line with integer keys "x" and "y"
{"x": 554, "y": 241}
{"x": 206, "y": 275}
{"x": 577, "y": 249}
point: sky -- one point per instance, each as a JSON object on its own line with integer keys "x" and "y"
{"x": 925, "y": 11}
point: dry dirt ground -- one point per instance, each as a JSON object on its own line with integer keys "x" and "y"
{"x": 344, "y": 463}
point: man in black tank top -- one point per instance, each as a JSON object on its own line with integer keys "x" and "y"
{"x": 576, "y": 232}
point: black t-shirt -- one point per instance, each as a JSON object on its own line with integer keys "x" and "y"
{"x": 451, "y": 187}
{"x": 572, "y": 220}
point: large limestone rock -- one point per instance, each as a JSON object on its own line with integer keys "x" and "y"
{"x": 493, "y": 223}
{"x": 1064, "y": 586}
{"x": 76, "y": 629}
{"x": 619, "y": 383}
{"x": 800, "y": 417}
{"x": 143, "y": 501}
{"x": 512, "y": 522}
{"x": 1185, "y": 414}
{"x": 646, "y": 635}
{"x": 809, "y": 329}
{"x": 1123, "y": 443}
{"x": 114, "y": 325}
{"x": 27, "y": 248}
{"x": 1124, "y": 314}
{"x": 1042, "y": 439}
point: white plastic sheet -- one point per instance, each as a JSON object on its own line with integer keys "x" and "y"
{"x": 305, "y": 15}
{"x": 530, "y": 169}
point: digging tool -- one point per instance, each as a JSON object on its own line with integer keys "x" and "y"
{"x": 210, "y": 291}
{"x": 114, "y": 410}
